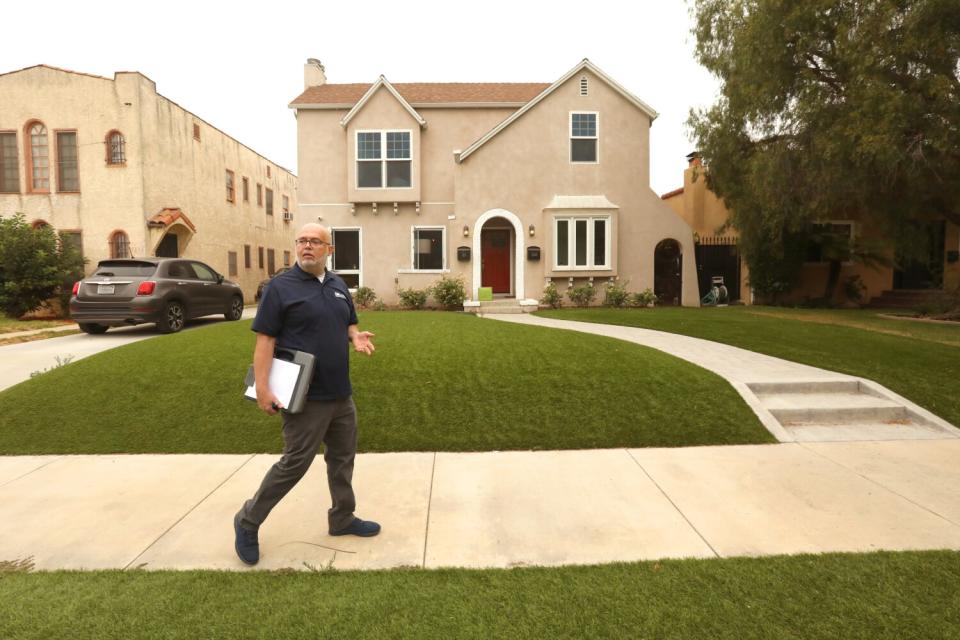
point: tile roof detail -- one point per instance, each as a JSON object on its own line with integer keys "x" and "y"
{"x": 168, "y": 216}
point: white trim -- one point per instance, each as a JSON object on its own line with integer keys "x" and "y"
{"x": 572, "y": 243}
{"x": 519, "y": 241}
{"x": 381, "y": 82}
{"x": 571, "y": 137}
{"x": 416, "y": 271}
{"x": 413, "y": 248}
{"x": 359, "y": 271}
{"x": 383, "y": 160}
{"x": 585, "y": 64}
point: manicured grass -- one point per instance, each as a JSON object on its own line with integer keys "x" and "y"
{"x": 438, "y": 382}
{"x": 922, "y": 365}
{"x": 33, "y": 337}
{"x": 896, "y": 596}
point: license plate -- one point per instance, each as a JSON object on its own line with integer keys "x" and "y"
{"x": 105, "y": 288}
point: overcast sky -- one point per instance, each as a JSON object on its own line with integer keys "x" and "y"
{"x": 239, "y": 64}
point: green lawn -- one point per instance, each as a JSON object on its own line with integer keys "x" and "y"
{"x": 11, "y": 325}
{"x": 895, "y": 596}
{"x": 917, "y": 360}
{"x": 438, "y": 382}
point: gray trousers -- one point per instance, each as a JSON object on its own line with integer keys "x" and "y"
{"x": 331, "y": 422}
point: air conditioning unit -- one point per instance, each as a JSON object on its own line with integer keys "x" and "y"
{"x": 287, "y": 216}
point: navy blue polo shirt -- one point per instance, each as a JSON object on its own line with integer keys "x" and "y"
{"x": 304, "y": 314}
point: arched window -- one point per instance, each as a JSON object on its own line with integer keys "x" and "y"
{"x": 39, "y": 223}
{"x": 116, "y": 148}
{"x": 38, "y": 160}
{"x": 119, "y": 245}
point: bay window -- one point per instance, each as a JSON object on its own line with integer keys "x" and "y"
{"x": 581, "y": 242}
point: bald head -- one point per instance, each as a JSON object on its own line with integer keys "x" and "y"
{"x": 312, "y": 229}
{"x": 312, "y": 256}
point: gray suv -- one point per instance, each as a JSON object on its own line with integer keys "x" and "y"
{"x": 168, "y": 291}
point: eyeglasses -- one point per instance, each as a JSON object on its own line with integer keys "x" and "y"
{"x": 313, "y": 242}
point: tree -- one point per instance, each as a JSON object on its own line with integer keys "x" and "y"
{"x": 831, "y": 109}
{"x": 34, "y": 265}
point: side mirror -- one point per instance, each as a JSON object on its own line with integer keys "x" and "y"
{"x": 219, "y": 279}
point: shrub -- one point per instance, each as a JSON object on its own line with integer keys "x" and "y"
{"x": 379, "y": 305}
{"x": 364, "y": 297}
{"x": 616, "y": 295}
{"x": 582, "y": 295}
{"x": 551, "y": 297}
{"x": 643, "y": 299}
{"x": 449, "y": 292}
{"x": 854, "y": 288}
{"x": 412, "y": 298}
{"x": 34, "y": 265}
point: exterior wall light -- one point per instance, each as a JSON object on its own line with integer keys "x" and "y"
{"x": 533, "y": 230}
{"x": 466, "y": 230}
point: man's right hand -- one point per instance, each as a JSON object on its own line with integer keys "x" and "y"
{"x": 268, "y": 402}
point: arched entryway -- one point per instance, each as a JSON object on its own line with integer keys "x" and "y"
{"x": 667, "y": 269}
{"x": 496, "y": 256}
{"x": 498, "y": 253}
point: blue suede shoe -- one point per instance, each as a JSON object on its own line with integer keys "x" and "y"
{"x": 362, "y": 528}
{"x": 246, "y": 543}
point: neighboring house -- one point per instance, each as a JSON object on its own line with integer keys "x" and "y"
{"x": 126, "y": 172}
{"x": 510, "y": 186}
{"x": 885, "y": 286}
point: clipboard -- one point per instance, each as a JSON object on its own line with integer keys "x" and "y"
{"x": 290, "y": 375}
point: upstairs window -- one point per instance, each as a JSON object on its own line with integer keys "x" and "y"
{"x": 286, "y": 204}
{"x": 68, "y": 178}
{"x": 259, "y": 195}
{"x": 375, "y": 169}
{"x": 116, "y": 148}
{"x": 38, "y": 163}
{"x": 246, "y": 189}
{"x": 583, "y": 137}
{"x": 196, "y": 131}
{"x": 269, "y": 202}
{"x": 9, "y": 168}
{"x": 231, "y": 188}
{"x": 119, "y": 245}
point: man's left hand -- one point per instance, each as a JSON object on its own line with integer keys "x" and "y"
{"x": 362, "y": 344}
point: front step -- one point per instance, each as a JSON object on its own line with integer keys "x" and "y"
{"x": 501, "y": 305}
{"x": 840, "y": 410}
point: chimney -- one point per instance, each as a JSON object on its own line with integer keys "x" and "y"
{"x": 313, "y": 74}
{"x": 693, "y": 159}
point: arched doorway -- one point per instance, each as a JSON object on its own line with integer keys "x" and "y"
{"x": 499, "y": 219}
{"x": 667, "y": 267}
{"x": 496, "y": 263}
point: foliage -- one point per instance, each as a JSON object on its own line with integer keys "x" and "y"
{"x": 379, "y": 305}
{"x": 449, "y": 292}
{"x": 643, "y": 299}
{"x": 61, "y": 362}
{"x": 365, "y": 297}
{"x": 831, "y": 109}
{"x": 34, "y": 265}
{"x": 582, "y": 295}
{"x": 853, "y": 288}
{"x": 551, "y": 296}
{"x": 412, "y": 298}
{"x": 616, "y": 295}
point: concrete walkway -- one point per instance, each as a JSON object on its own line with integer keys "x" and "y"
{"x": 494, "y": 509}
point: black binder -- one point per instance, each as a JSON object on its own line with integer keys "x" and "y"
{"x": 304, "y": 361}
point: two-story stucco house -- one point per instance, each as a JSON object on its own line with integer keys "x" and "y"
{"x": 123, "y": 171}
{"x": 510, "y": 186}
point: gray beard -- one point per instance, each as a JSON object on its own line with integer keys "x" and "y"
{"x": 316, "y": 269}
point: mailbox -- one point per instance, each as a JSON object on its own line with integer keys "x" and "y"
{"x": 463, "y": 254}
{"x": 533, "y": 254}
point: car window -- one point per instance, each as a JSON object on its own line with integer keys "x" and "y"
{"x": 203, "y": 271}
{"x": 125, "y": 268}
{"x": 180, "y": 270}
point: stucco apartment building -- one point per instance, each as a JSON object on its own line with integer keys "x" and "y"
{"x": 893, "y": 285}
{"x": 510, "y": 186}
{"x": 126, "y": 172}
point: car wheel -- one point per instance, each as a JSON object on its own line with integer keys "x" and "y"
{"x": 236, "y": 309}
{"x": 173, "y": 318}
{"x": 93, "y": 329}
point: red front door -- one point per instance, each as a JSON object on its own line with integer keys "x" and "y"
{"x": 495, "y": 259}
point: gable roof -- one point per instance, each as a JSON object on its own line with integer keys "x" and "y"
{"x": 382, "y": 82}
{"x": 423, "y": 94}
{"x": 584, "y": 64}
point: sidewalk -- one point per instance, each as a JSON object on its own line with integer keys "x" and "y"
{"x": 498, "y": 509}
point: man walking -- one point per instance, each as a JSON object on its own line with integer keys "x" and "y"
{"x": 308, "y": 309}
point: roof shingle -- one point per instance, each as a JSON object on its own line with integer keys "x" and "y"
{"x": 428, "y": 92}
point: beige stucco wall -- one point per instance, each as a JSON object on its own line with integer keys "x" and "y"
{"x": 165, "y": 168}
{"x": 516, "y": 174}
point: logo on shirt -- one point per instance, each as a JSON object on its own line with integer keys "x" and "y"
{"x": 339, "y": 295}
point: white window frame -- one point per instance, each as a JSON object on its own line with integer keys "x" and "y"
{"x": 383, "y": 158}
{"x": 572, "y": 243}
{"x": 413, "y": 249}
{"x": 571, "y": 137}
{"x": 349, "y": 272}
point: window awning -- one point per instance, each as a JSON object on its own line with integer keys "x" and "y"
{"x": 170, "y": 216}
{"x": 581, "y": 202}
